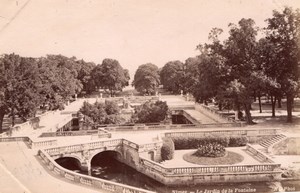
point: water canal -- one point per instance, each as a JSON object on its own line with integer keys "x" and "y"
{"x": 106, "y": 167}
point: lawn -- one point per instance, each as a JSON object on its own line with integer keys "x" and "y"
{"x": 229, "y": 159}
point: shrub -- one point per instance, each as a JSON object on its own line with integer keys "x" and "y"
{"x": 167, "y": 149}
{"x": 238, "y": 141}
{"x": 151, "y": 112}
{"x": 196, "y": 142}
{"x": 35, "y": 122}
{"x": 210, "y": 150}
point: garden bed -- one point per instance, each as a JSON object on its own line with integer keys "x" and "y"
{"x": 230, "y": 158}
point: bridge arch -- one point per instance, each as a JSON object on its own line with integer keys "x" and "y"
{"x": 69, "y": 162}
{"x": 104, "y": 156}
{"x": 109, "y": 153}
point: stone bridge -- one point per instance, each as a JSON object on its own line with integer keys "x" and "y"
{"x": 126, "y": 151}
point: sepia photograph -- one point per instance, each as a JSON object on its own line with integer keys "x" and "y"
{"x": 149, "y": 96}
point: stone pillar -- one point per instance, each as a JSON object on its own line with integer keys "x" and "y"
{"x": 86, "y": 167}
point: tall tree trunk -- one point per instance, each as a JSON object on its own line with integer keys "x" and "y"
{"x": 1, "y": 120}
{"x": 13, "y": 116}
{"x": 259, "y": 103}
{"x": 248, "y": 114}
{"x": 220, "y": 106}
{"x": 279, "y": 102}
{"x": 237, "y": 111}
{"x": 273, "y": 102}
{"x": 289, "y": 107}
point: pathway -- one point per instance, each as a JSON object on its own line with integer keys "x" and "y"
{"x": 24, "y": 173}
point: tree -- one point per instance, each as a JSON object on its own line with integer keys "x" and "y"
{"x": 267, "y": 72}
{"x": 146, "y": 79}
{"x": 283, "y": 31}
{"x": 59, "y": 80}
{"x": 171, "y": 76}
{"x": 19, "y": 87}
{"x": 110, "y": 75}
{"x": 151, "y": 112}
{"x": 191, "y": 75}
{"x": 240, "y": 53}
{"x": 102, "y": 113}
{"x": 85, "y": 76}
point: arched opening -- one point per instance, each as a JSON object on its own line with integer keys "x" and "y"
{"x": 106, "y": 165}
{"x": 69, "y": 163}
{"x": 105, "y": 157}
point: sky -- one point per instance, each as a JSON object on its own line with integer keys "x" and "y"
{"x": 134, "y": 32}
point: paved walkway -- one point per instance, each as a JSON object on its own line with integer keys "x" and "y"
{"x": 200, "y": 117}
{"x": 24, "y": 173}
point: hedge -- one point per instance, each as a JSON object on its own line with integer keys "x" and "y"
{"x": 167, "y": 149}
{"x": 195, "y": 142}
{"x": 237, "y": 141}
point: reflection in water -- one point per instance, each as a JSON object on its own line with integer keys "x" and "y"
{"x": 106, "y": 167}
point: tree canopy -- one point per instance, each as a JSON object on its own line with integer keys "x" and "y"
{"x": 172, "y": 76}
{"x": 102, "y": 113}
{"x": 240, "y": 68}
{"x": 146, "y": 79}
{"x": 151, "y": 112}
{"x": 111, "y": 76}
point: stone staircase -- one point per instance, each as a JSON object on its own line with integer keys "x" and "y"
{"x": 269, "y": 142}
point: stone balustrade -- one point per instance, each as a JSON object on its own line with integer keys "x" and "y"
{"x": 85, "y": 146}
{"x": 31, "y": 143}
{"x": 213, "y": 114}
{"x": 130, "y": 144}
{"x": 38, "y": 144}
{"x": 258, "y": 154}
{"x": 251, "y": 133}
{"x": 13, "y": 139}
{"x": 204, "y": 170}
{"x": 87, "y": 180}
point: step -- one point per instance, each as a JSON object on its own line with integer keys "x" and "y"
{"x": 267, "y": 143}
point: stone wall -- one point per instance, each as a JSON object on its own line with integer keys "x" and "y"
{"x": 289, "y": 146}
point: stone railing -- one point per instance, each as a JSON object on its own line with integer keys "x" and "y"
{"x": 68, "y": 133}
{"x": 130, "y": 144}
{"x": 213, "y": 114}
{"x": 204, "y": 170}
{"x": 102, "y": 133}
{"x": 149, "y": 146}
{"x": 149, "y": 127}
{"x": 39, "y": 144}
{"x": 258, "y": 154}
{"x": 90, "y": 181}
{"x": 31, "y": 143}
{"x": 84, "y": 146}
{"x": 13, "y": 139}
{"x": 226, "y": 132}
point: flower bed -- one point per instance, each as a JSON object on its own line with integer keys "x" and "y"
{"x": 228, "y": 159}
